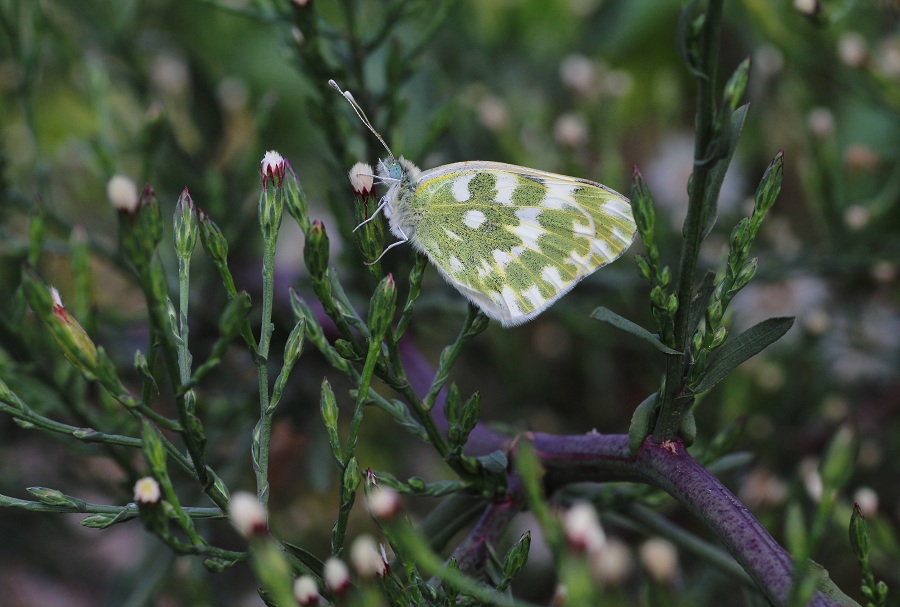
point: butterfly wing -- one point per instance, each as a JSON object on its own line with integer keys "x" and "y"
{"x": 514, "y": 240}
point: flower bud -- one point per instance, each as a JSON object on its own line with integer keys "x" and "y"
{"x": 212, "y": 239}
{"x": 146, "y": 491}
{"x": 384, "y": 504}
{"x": 337, "y": 576}
{"x": 517, "y": 556}
{"x": 185, "y": 225}
{"x": 366, "y": 558}
{"x": 248, "y": 515}
{"x": 51, "y": 497}
{"x": 859, "y": 534}
{"x": 381, "y": 308}
{"x": 315, "y": 250}
{"x": 746, "y": 273}
{"x": 295, "y": 200}
{"x": 660, "y": 558}
{"x": 272, "y": 169}
{"x": 643, "y": 266}
{"x": 122, "y": 193}
{"x": 362, "y": 179}
{"x": 582, "y": 528}
{"x": 306, "y": 591}
{"x": 719, "y": 338}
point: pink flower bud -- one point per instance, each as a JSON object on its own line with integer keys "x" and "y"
{"x": 248, "y": 515}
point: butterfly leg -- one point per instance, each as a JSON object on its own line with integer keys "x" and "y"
{"x": 384, "y": 201}
{"x": 403, "y": 240}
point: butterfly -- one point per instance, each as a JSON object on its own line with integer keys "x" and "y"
{"x": 512, "y": 240}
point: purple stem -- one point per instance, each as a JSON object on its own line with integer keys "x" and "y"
{"x": 668, "y": 466}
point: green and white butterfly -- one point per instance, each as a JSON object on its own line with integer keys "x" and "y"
{"x": 512, "y": 240}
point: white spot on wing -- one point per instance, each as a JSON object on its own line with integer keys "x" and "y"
{"x": 461, "y": 187}
{"x": 551, "y": 274}
{"x": 452, "y": 234}
{"x": 529, "y": 234}
{"x": 579, "y": 229}
{"x": 603, "y": 248}
{"x": 581, "y": 262}
{"x": 625, "y": 238}
{"x": 517, "y": 251}
{"x": 510, "y": 301}
{"x": 506, "y": 185}
{"x": 618, "y": 207}
{"x": 502, "y": 258}
{"x": 455, "y": 264}
{"x": 528, "y": 214}
{"x": 474, "y": 218}
{"x": 533, "y": 294}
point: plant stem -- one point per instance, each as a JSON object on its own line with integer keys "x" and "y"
{"x": 263, "y": 430}
{"x": 671, "y": 410}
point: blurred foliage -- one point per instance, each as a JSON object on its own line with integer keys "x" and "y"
{"x": 192, "y": 94}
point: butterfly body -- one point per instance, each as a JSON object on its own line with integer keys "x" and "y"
{"x": 513, "y": 240}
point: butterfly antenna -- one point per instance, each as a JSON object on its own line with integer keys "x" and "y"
{"x": 360, "y": 113}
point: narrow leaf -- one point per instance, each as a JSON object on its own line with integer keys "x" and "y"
{"x": 701, "y": 299}
{"x": 620, "y": 322}
{"x": 718, "y": 170}
{"x": 743, "y": 347}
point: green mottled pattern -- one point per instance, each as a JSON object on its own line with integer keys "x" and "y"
{"x": 536, "y": 221}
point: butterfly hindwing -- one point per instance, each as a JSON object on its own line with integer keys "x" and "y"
{"x": 514, "y": 240}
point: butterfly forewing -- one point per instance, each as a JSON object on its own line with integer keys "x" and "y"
{"x": 514, "y": 240}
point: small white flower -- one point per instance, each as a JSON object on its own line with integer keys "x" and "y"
{"x": 570, "y": 131}
{"x": 54, "y": 296}
{"x": 821, "y": 122}
{"x": 660, "y": 558}
{"x": 146, "y": 490}
{"x": 362, "y": 178}
{"x": 272, "y": 168}
{"x": 583, "y": 530}
{"x": 366, "y": 558}
{"x": 852, "y": 49}
{"x": 807, "y": 7}
{"x": 384, "y": 503}
{"x": 337, "y": 576}
{"x": 615, "y": 564}
{"x": 123, "y": 194}
{"x": 856, "y": 216}
{"x": 492, "y": 113}
{"x": 306, "y": 591}
{"x": 812, "y": 480}
{"x": 578, "y": 73}
{"x": 247, "y": 514}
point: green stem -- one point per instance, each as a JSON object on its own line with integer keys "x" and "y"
{"x": 671, "y": 409}
{"x": 362, "y": 395}
{"x": 263, "y": 431}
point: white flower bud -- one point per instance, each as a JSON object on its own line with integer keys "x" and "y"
{"x": 821, "y": 122}
{"x": 867, "y": 500}
{"x": 306, "y": 591}
{"x": 583, "y": 530}
{"x": 122, "y": 193}
{"x": 852, "y": 49}
{"x": 384, "y": 503}
{"x": 615, "y": 564}
{"x": 362, "y": 178}
{"x": 247, "y": 514}
{"x": 146, "y": 490}
{"x": 367, "y": 558}
{"x": 570, "y": 131}
{"x": 337, "y": 577}
{"x": 578, "y": 73}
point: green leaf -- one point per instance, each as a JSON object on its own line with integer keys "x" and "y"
{"x": 309, "y": 560}
{"x": 720, "y": 167}
{"x": 620, "y": 322}
{"x": 743, "y": 347}
{"x": 641, "y": 423}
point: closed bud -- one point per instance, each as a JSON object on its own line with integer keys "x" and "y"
{"x": 746, "y": 273}
{"x": 185, "y": 225}
{"x": 306, "y": 591}
{"x": 697, "y": 341}
{"x": 248, "y": 515}
{"x": 643, "y": 266}
{"x": 714, "y": 314}
{"x": 351, "y": 482}
{"x": 740, "y": 235}
{"x": 122, "y": 193}
{"x": 737, "y": 84}
{"x": 658, "y": 297}
{"x": 362, "y": 179}
{"x": 212, "y": 239}
{"x": 315, "y": 250}
{"x": 294, "y": 345}
{"x": 665, "y": 276}
{"x": 147, "y": 491}
{"x": 51, "y": 497}
{"x": 672, "y": 304}
{"x": 329, "y": 410}
{"x": 271, "y": 198}
{"x": 719, "y": 338}
{"x": 345, "y": 349}
{"x": 381, "y": 308}
{"x": 471, "y": 411}
{"x": 140, "y": 230}
{"x": 517, "y": 556}
{"x": 479, "y": 324}
{"x": 859, "y": 535}
{"x": 295, "y": 201}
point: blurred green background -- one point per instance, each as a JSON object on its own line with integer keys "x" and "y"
{"x": 178, "y": 94}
